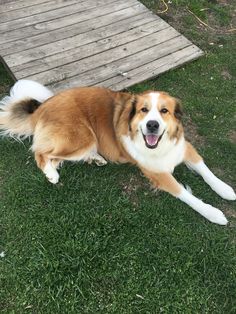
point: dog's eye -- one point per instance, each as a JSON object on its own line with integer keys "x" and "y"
{"x": 164, "y": 110}
{"x": 144, "y": 109}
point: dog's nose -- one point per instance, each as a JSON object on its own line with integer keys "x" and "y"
{"x": 152, "y": 125}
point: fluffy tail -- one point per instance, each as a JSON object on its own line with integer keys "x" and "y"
{"x": 15, "y": 110}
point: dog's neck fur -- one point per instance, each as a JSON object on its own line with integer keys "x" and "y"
{"x": 164, "y": 158}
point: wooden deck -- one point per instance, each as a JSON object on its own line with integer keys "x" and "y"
{"x": 67, "y": 43}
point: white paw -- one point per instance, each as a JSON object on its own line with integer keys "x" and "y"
{"x": 228, "y": 193}
{"x": 214, "y": 215}
{"x": 51, "y": 173}
{"x": 53, "y": 179}
{"x": 100, "y": 162}
{"x": 224, "y": 190}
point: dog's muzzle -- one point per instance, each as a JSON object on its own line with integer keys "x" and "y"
{"x": 152, "y": 138}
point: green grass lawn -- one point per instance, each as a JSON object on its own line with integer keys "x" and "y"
{"x": 102, "y": 241}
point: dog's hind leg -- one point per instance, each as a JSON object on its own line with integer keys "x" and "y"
{"x": 48, "y": 166}
{"x": 49, "y": 162}
{"x": 52, "y": 146}
{"x": 195, "y": 162}
{"x": 166, "y": 182}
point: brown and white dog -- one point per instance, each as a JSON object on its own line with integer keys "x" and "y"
{"x": 97, "y": 124}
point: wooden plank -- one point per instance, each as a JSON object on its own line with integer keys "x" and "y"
{"x": 36, "y": 9}
{"x": 15, "y": 5}
{"x": 149, "y": 71}
{"x": 77, "y": 67}
{"x": 52, "y": 48}
{"x": 110, "y": 40}
{"x": 122, "y": 12}
{"x": 115, "y": 69}
{"x": 55, "y": 14}
{"x": 155, "y": 68}
{"x": 64, "y": 24}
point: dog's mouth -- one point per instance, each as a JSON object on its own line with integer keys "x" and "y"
{"x": 152, "y": 140}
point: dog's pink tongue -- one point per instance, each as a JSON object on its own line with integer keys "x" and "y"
{"x": 151, "y": 139}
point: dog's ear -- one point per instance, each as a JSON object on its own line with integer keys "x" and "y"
{"x": 133, "y": 102}
{"x": 125, "y": 110}
{"x": 121, "y": 98}
{"x": 178, "y": 109}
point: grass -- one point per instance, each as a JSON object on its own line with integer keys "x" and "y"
{"x": 101, "y": 241}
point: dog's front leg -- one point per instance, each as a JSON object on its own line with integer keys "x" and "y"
{"x": 166, "y": 182}
{"x": 195, "y": 162}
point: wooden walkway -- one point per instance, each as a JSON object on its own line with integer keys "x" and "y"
{"x": 67, "y": 43}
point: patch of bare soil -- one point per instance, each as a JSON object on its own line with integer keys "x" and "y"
{"x": 228, "y": 179}
{"x": 213, "y": 24}
{"x": 132, "y": 185}
{"x": 232, "y": 136}
{"x": 210, "y": 28}
{"x": 3, "y": 89}
{"x": 230, "y": 214}
{"x": 191, "y": 132}
{"x": 175, "y": 17}
{"x": 226, "y": 75}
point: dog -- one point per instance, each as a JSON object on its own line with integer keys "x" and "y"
{"x": 95, "y": 124}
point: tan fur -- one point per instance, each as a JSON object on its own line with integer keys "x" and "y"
{"x": 13, "y": 120}
{"x": 75, "y": 122}
{"x": 191, "y": 154}
{"x": 163, "y": 181}
{"x": 175, "y": 127}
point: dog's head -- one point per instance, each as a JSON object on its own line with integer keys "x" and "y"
{"x": 153, "y": 115}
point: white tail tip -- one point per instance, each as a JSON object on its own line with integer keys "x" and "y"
{"x": 27, "y": 89}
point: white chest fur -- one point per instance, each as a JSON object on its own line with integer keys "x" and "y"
{"x": 164, "y": 158}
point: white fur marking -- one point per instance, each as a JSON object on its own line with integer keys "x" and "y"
{"x": 153, "y": 114}
{"x": 29, "y": 89}
{"x": 209, "y": 212}
{"x": 98, "y": 159}
{"x": 164, "y": 158}
{"x": 22, "y": 90}
{"x": 154, "y": 98}
{"x": 51, "y": 173}
{"x": 221, "y": 188}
